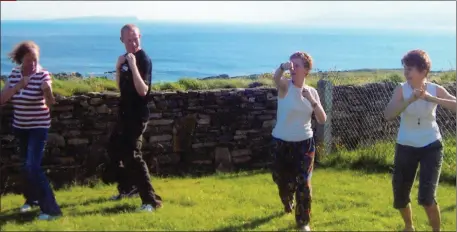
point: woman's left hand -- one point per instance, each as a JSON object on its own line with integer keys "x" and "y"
{"x": 308, "y": 96}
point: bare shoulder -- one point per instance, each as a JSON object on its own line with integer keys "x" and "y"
{"x": 311, "y": 89}
{"x": 442, "y": 92}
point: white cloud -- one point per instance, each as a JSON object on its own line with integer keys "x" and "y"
{"x": 391, "y": 14}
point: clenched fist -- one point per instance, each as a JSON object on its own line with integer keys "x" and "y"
{"x": 287, "y": 66}
{"x": 132, "y": 60}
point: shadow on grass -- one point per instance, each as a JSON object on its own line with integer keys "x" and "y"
{"x": 87, "y": 202}
{"x": 123, "y": 208}
{"x": 242, "y": 174}
{"x": 18, "y": 218}
{"x": 251, "y": 225}
{"x": 448, "y": 209}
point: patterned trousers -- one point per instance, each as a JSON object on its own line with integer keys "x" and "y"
{"x": 292, "y": 169}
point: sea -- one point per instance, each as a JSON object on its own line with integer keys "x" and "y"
{"x": 185, "y": 50}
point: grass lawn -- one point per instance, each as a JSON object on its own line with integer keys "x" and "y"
{"x": 343, "y": 200}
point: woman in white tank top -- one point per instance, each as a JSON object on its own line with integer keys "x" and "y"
{"x": 419, "y": 138}
{"x": 293, "y": 143}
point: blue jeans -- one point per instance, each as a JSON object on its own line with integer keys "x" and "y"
{"x": 36, "y": 187}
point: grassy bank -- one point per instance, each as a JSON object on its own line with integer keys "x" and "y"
{"x": 73, "y": 85}
{"x": 342, "y": 201}
{"x": 379, "y": 158}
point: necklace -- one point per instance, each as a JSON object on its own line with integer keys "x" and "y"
{"x": 415, "y": 106}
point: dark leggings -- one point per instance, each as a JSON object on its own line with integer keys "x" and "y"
{"x": 292, "y": 169}
{"x": 407, "y": 160}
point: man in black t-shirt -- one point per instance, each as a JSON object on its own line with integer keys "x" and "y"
{"x": 133, "y": 76}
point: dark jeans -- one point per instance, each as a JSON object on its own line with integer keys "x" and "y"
{"x": 406, "y": 162}
{"x": 125, "y": 146}
{"x": 36, "y": 186}
{"x": 292, "y": 170}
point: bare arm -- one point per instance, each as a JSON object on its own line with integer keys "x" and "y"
{"x": 47, "y": 91}
{"x": 319, "y": 112}
{"x": 443, "y": 98}
{"x": 139, "y": 82}
{"x": 397, "y": 104}
{"x": 281, "y": 84}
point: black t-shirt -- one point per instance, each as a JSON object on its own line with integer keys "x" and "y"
{"x": 132, "y": 105}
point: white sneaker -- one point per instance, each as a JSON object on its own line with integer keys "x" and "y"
{"x": 146, "y": 208}
{"x": 305, "y": 228}
{"x": 25, "y": 208}
{"x": 46, "y": 217}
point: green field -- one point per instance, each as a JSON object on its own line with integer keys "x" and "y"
{"x": 342, "y": 200}
{"x": 351, "y": 191}
{"x": 71, "y": 85}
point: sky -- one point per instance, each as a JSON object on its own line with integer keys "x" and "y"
{"x": 421, "y": 15}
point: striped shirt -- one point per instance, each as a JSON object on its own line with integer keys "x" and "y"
{"x": 30, "y": 109}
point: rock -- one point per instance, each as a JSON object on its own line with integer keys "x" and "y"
{"x": 161, "y": 122}
{"x": 269, "y": 123}
{"x": 78, "y": 141}
{"x": 55, "y": 140}
{"x": 160, "y": 138}
{"x": 103, "y": 109}
{"x": 223, "y": 160}
{"x": 95, "y": 101}
{"x": 241, "y": 152}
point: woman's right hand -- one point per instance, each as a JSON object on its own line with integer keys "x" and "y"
{"x": 23, "y": 82}
{"x": 416, "y": 94}
{"x": 287, "y": 66}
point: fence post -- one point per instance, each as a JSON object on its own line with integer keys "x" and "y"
{"x": 324, "y": 132}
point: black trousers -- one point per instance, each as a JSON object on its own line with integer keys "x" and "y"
{"x": 407, "y": 160}
{"x": 125, "y": 146}
{"x": 292, "y": 170}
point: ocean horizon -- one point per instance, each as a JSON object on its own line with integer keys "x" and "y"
{"x": 203, "y": 50}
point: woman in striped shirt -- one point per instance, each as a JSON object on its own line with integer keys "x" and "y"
{"x": 29, "y": 89}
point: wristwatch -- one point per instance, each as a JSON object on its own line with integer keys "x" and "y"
{"x": 280, "y": 67}
{"x": 314, "y": 105}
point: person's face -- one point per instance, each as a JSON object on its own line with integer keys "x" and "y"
{"x": 131, "y": 40}
{"x": 412, "y": 74}
{"x": 298, "y": 70}
{"x": 30, "y": 61}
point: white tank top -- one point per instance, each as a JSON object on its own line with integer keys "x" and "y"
{"x": 418, "y": 126}
{"x": 293, "y": 116}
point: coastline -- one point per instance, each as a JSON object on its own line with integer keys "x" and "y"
{"x": 110, "y": 74}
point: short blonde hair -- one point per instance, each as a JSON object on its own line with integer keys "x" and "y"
{"x": 307, "y": 59}
{"x": 129, "y": 27}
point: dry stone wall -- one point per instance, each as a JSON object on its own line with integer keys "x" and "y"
{"x": 194, "y": 132}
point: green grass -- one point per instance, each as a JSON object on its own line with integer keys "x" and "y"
{"x": 72, "y": 85}
{"x": 342, "y": 200}
{"x": 379, "y": 158}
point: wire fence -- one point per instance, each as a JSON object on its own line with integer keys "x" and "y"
{"x": 355, "y": 105}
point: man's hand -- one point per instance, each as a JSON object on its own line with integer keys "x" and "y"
{"x": 120, "y": 61}
{"x": 132, "y": 60}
